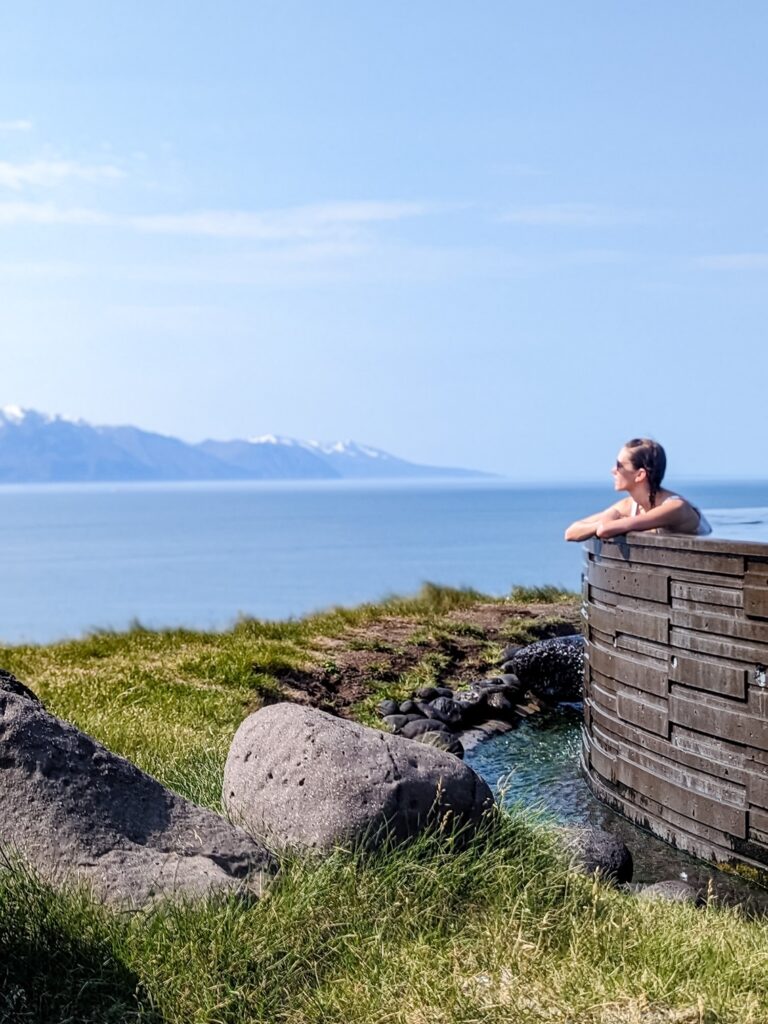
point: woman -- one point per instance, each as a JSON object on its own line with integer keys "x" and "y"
{"x": 639, "y": 471}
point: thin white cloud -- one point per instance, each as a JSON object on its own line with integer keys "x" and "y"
{"x": 735, "y": 261}
{"x": 46, "y": 214}
{"x": 300, "y": 222}
{"x": 49, "y": 173}
{"x": 20, "y": 124}
{"x": 571, "y": 215}
{"x": 323, "y": 221}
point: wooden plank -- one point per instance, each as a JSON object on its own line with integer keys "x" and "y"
{"x": 727, "y": 759}
{"x": 601, "y": 619}
{"x": 729, "y": 626}
{"x": 609, "y": 600}
{"x": 642, "y": 624}
{"x": 644, "y": 647}
{"x": 720, "y": 815}
{"x": 758, "y": 820}
{"x": 715, "y": 676}
{"x": 755, "y": 601}
{"x": 730, "y": 650}
{"x": 670, "y": 559}
{"x": 643, "y": 675}
{"x": 683, "y": 776}
{"x": 685, "y": 748}
{"x": 645, "y": 712}
{"x": 757, "y": 789}
{"x": 715, "y": 717}
{"x": 687, "y": 594}
{"x": 639, "y": 583}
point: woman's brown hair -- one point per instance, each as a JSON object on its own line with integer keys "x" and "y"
{"x": 650, "y": 456}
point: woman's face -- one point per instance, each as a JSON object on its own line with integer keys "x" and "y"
{"x": 624, "y": 473}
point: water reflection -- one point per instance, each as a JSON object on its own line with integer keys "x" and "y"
{"x": 537, "y": 765}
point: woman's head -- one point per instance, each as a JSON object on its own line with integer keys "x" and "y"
{"x": 640, "y": 456}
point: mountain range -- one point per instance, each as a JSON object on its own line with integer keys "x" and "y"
{"x": 39, "y": 448}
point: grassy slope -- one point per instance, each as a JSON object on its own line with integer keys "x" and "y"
{"x": 499, "y": 931}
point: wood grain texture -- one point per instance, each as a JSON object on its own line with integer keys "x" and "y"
{"x": 676, "y": 689}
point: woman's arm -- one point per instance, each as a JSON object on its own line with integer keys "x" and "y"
{"x": 672, "y": 514}
{"x": 588, "y": 527}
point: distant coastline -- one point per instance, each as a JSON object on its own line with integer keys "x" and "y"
{"x": 40, "y": 448}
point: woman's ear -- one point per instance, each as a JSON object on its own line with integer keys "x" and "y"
{"x": 641, "y": 474}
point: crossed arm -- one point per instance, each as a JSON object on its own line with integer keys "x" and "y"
{"x": 673, "y": 514}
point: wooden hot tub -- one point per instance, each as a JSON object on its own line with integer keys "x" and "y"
{"x": 676, "y": 697}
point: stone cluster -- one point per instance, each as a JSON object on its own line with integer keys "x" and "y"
{"x": 547, "y": 672}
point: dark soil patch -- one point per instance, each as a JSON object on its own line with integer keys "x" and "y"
{"x": 466, "y": 644}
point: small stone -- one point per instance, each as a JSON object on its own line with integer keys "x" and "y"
{"x": 395, "y": 722}
{"x": 444, "y": 691}
{"x": 510, "y": 651}
{"x": 500, "y": 703}
{"x": 443, "y": 741}
{"x": 408, "y": 707}
{"x": 415, "y": 729}
{"x": 446, "y": 710}
{"x": 594, "y": 851}
{"x": 673, "y": 891}
{"x": 388, "y": 707}
{"x": 427, "y": 693}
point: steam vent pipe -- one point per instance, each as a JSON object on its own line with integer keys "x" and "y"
{"x": 675, "y": 730}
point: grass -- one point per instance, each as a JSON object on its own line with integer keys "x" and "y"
{"x": 435, "y": 933}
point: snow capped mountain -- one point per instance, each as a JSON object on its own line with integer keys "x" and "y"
{"x": 37, "y": 447}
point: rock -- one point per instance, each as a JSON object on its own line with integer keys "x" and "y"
{"x": 446, "y": 710}
{"x": 301, "y": 779}
{"x": 552, "y": 669}
{"x": 408, "y": 707}
{"x": 595, "y": 851}
{"x": 74, "y": 810}
{"x": 388, "y": 707}
{"x": 10, "y": 684}
{"x": 443, "y": 741}
{"x": 673, "y": 891}
{"x": 427, "y": 693}
{"x": 421, "y": 725}
{"x": 395, "y": 722}
{"x": 468, "y": 697}
{"x": 416, "y": 718}
{"x": 509, "y": 652}
{"x": 444, "y": 691}
{"x": 509, "y": 666}
{"x": 510, "y": 679}
{"x": 499, "y": 702}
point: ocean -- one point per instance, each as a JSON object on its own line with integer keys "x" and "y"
{"x": 98, "y": 556}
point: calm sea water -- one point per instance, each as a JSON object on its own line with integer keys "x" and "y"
{"x": 80, "y": 557}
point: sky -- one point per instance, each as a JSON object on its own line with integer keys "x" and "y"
{"x": 499, "y": 235}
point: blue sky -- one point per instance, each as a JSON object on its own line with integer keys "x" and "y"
{"x": 503, "y": 235}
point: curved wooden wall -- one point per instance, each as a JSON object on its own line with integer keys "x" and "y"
{"x": 676, "y": 696}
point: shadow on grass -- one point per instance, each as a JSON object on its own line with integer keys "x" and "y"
{"x": 60, "y": 957}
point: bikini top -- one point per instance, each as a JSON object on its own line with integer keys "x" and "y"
{"x": 701, "y": 531}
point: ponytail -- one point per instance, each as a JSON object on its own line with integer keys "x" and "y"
{"x": 650, "y": 456}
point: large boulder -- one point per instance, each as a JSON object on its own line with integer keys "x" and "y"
{"x": 297, "y": 778}
{"x": 552, "y": 669}
{"x": 76, "y": 811}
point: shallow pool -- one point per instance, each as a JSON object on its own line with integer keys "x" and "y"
{"x": 537, "y": 765}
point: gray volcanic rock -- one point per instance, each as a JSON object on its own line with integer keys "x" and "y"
{"x": 443, "y": 741}
{"x": 301, "y": 779}
{"x": 10, "y": 684}
{"x": 673, "y": 890}
{"x": 446, "y": 710}
{"x": 552, "y": 669}
{"x": 395, "y": 722}
{"x": 419, "y": 726}
{"x": 74, "y": 810}
{"x": 388, "y": 707}
{"x": 594, "y": 851}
